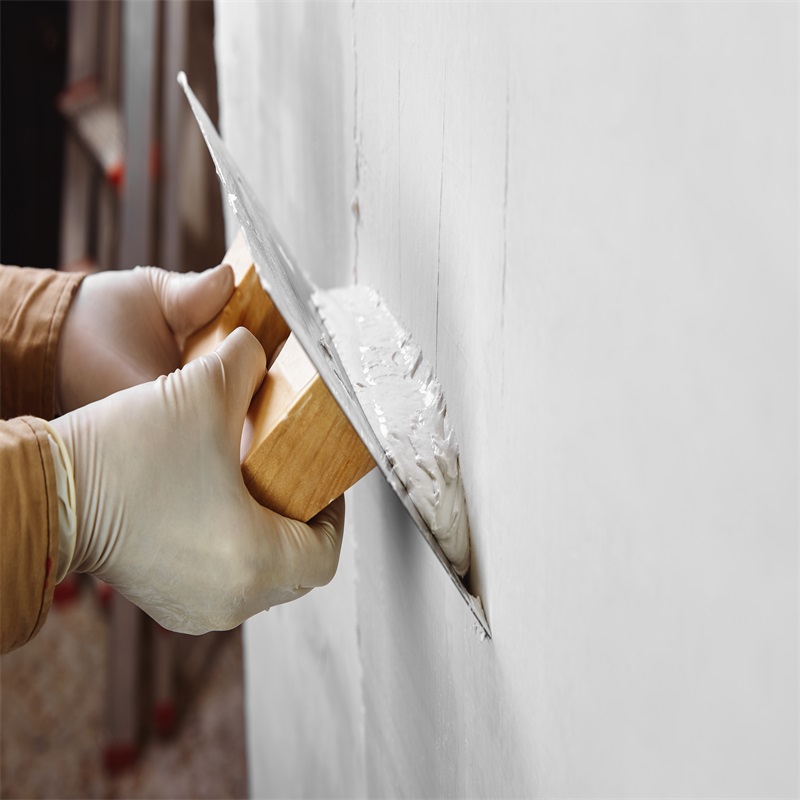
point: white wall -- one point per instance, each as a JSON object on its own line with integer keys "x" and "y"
{"x": 588, "y": 217}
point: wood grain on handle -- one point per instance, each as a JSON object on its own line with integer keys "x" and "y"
{"x": 249, "y": 307}
{"x": 299, "y": 450}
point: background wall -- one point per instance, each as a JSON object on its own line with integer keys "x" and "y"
{"x": 588, "y": 217}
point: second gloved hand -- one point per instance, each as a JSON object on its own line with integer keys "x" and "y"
{"x": 163, "y": 512}
{"x": 127, "y": 327}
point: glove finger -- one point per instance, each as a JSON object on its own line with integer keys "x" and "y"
{"x": 310, "y": 551}
{"x": 244, "y": 366}
{"x": 189, "y": 301}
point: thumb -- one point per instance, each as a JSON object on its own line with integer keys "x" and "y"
{"x": 307, "y": 553}
{"x": 244, "y": 366}
{"x": 188, "y": 301}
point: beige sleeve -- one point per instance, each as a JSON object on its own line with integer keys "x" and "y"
{"x": 28, "y": 530}
{"x": 33, "y": 305}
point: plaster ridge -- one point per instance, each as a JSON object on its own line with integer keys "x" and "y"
{"x": 356, "y": 208}
{"x": 505, "y": 202}
{"x": 356, "y": 203}
{"x": 505, "y": 233}
{"x": 439, "y": 230}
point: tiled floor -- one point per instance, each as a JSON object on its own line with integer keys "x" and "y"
{"x": 52, "y": 706}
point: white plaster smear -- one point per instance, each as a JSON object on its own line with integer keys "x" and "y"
{"x": 405, "y": 406}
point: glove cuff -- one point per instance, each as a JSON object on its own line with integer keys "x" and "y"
{"x": 67, "y": 506}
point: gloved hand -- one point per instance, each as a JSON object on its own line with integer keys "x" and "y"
{"x": 127, "y": 327}
{"x": 163, "y": 514}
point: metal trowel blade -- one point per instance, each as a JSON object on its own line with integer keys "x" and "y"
{"x": 291, "y": 291}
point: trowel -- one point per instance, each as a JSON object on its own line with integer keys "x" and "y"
{"x": 291, "y": 291}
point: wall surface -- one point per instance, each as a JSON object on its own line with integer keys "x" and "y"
{"x": 587, "y": 215}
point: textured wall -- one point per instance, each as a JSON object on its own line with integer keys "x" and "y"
{"x": 587, "y": 215}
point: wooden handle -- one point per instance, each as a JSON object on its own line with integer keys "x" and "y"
{"x": 249, "y": 307}
{"x": 299, "y": 450}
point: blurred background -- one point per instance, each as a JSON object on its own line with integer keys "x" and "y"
{"x": 102, "y": 167}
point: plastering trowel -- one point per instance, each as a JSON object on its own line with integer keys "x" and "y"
{"x": 292, "y": 293}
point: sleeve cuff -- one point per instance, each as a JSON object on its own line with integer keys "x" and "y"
{"x": 67, "y": 508}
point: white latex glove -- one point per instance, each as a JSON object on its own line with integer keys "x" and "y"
{"x": 163, "y": 514}
{"x": 128, "y": 327}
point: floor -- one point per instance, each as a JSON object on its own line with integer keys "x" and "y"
{"x": 52, "y": 705}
